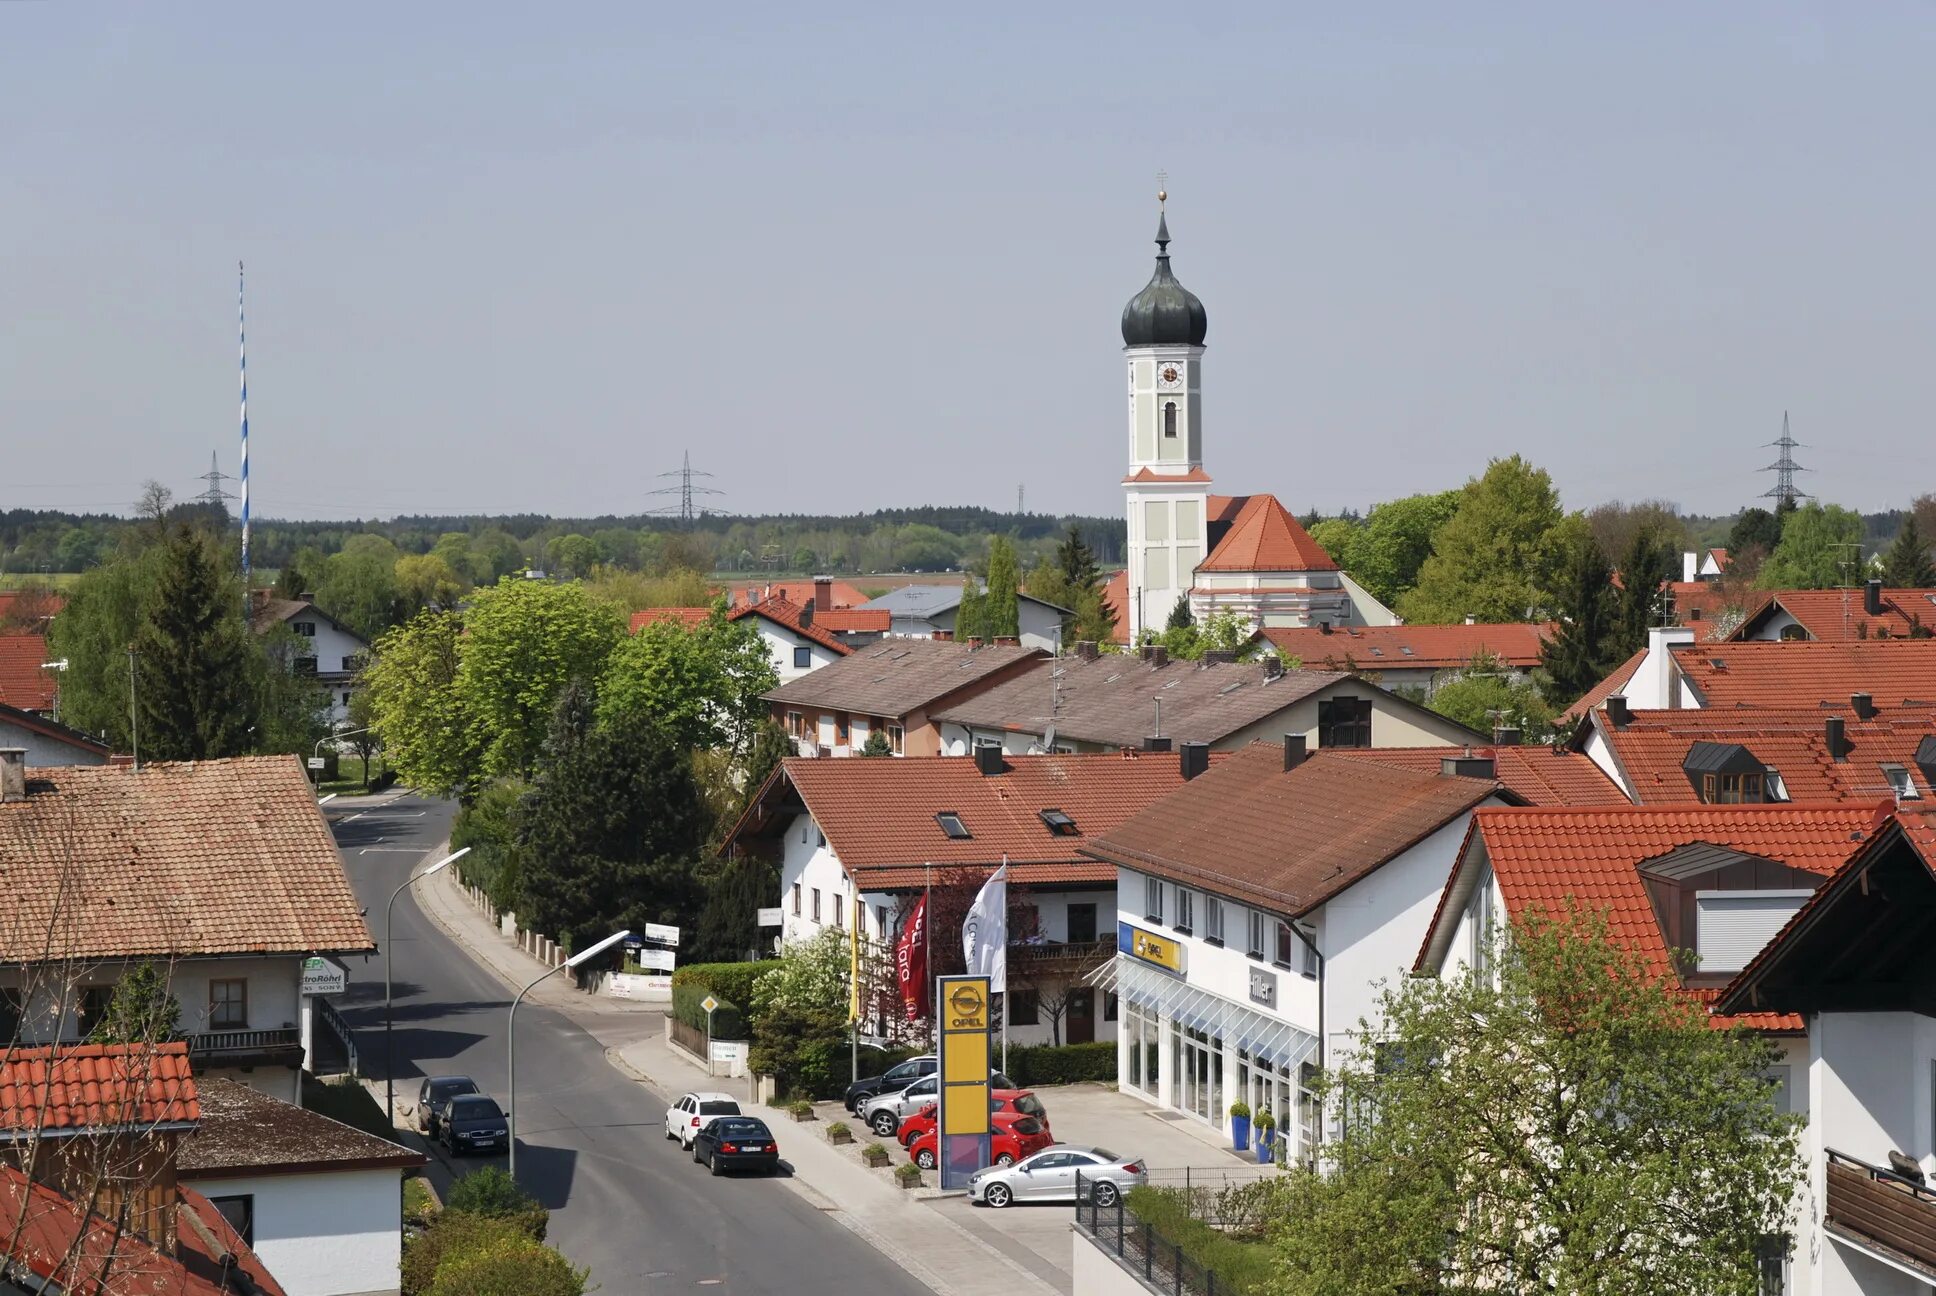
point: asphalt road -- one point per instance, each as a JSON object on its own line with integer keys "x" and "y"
{"x": 591, "y": 1141}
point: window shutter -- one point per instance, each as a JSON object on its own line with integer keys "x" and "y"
{"x": 1732, "y": 926}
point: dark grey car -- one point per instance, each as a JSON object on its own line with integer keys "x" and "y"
{"x": 475, "y": 1123}
{"x": 435, "y": 1093}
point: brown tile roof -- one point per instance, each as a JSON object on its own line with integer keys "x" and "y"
{"x": 1838, "y": 615}
{"x": 1115, "y": 597}
{"x": 689, "y": 617}
{"x": 1405, "y": 647}
{"x": 1264, "y": 537}
{"x": 244, "y": 1132}
{"x": 1803, "y": 674}
{"x": 268, "y": 612}
{"x": 1538, "y": 775}
{"x": 1541, "y": 857}
{"x": 797, "y": 592}
{"x": 1615, "y": 682}
{"x": 786, "y": 614}
{"x": 23, "y": 683}
{"x": 879, "y": 815}
{"x": 29, "y": 609}
{"x": 1288, "y": 840}
{"x": 853, "y": 620}
{"x": 1112, "y": 699}
{"x": 1652, "y": 750}
{"x": 893, "y": 677}
{"x": 80, "y": 1253}
{"x": 192, "y": 858}
{"x": 95, "y": 1087}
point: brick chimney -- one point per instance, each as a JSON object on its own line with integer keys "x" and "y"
{"x": 1088, "y": 649}
{"x": 13, "y": 774}
{"x": 1273, "y": 666}
{"x": 823, "y": 592}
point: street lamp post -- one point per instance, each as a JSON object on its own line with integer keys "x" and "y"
{"x": 511, "y": 1035}
{"x": 389, "y": 961}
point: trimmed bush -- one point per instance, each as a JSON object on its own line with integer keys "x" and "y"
{"x": 492, "y": 1193}
{"x": 510, "y": 1265}
{"x": 450, "y": 1233}
{"x": 419, "y": 1202}
{"x": 1239, "y": 1266}
{"x": 729, "y": 982}
{"x": 687, "y": 1006}
{"x": 1051, "y": 1064}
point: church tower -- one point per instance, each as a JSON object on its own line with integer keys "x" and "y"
{"x": 1168, "y": 491}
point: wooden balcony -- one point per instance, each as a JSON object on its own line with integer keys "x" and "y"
{"x": 279, "y": 1047}
{"x": 1882, "y": 1212}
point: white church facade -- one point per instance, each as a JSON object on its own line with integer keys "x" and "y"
{"x": 1242, "y": 554}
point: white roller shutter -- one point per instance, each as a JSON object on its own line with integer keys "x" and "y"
{"x": 1732, "y": 926}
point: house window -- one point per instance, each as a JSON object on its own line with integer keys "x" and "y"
{"x": 795, "y": 725}
{"x": 951, "y": 825}
{"x": 1081, "y": 920}
{"x": 228, "y": 1004}
{"x": 346, "y": 701}
{"x": 239, "y": 1211}
{"x": 1344, "y": 722}
{"x": 1305, "y": 952}
{"x": 840, "y": 910}
{"x": 816, "y": 904}
{"x": 1213, "y": 919}
{"x": 1169, "y": 418}
{"x": 1771, "y": 1258}
{"x": 896, "y": 738}
{"x": 840, "y": 729}
{"x": 1059, "y": 823}
{"x": 1900, "y": 783}
{"x": 1186, "y": 909}
{"x": 803, "y": 657}
{"x": 1024, "y": 1006}
{"x": 796, "y": 899}
{"x": 1153, "y": 899}
{"x": 93, "y": 1008}
{"x": 307, "y": 629}
{"x": 12, "y": 1010}
{"x": 1307, "y": 1112}
{"x": 1731, "y": 789}
{"x": 1256, "y": 944}
{"x": 1109, "y": 1006}
{"x": 1286, "y": 945}
{"x": 880, "y": 920}
{"x": 304, "y": 666}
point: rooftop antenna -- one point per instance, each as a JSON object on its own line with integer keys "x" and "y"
{"x": 685, "y": 490}
{"x": 214, "y": 495}
{"x": 1785, "y": 492}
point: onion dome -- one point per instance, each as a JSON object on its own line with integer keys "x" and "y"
{"x": 1165, "y": 313}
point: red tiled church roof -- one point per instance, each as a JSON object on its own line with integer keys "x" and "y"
{"x": 1264, "y": 537}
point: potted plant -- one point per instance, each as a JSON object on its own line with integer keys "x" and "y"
{"x": 907, "y": 1176}
{"x": 874, "y": 1155}
{"x": 1240, "y": 1126}
{"x": 800, "y": 1109}
{"x": 1266, "y": 1135}
{"x": 839, "y": 1133}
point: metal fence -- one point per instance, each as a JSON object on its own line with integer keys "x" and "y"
{"x": 1106, "y": 1218}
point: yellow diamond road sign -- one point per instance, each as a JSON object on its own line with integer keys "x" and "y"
{"x": 709, "y": 1003}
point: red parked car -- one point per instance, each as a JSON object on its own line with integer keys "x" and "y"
{"x": 1024, "y": 1136}
{"x": 1005, "y": 1106}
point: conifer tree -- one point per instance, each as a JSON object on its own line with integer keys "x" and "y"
{"x": 1078, "y": 562}
{"x": 194, "y": 655}
{"x": 1001, "y": 611}
{"x": 1906, "y": 565}
{"x": 1576, "y": 657}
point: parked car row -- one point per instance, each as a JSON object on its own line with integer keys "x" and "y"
{"x": 452, "y": 1110}
{"x": 720, "y": 1136}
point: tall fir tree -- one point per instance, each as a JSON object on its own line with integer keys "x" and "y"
{"x": 970, "y": 620}
{"x": 1645, "y": 569}
{"x": 1906, "y": 565}
{"x": 1577, "y": 655}
{"x": 1078, "y": 561}
{"x": 195, "y": 659}
{"x": 1180, "y": 616}
{"x": 1001, "y": 609}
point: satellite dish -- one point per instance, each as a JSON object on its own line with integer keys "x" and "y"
{"x": 1048, "y": 739}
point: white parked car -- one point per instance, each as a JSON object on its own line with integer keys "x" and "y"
{"x": 694, "y": 1111}
{"x": 1052, "y": 1174}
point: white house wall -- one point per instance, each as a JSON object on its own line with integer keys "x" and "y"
{"x": 44, "y": 752}
{"x": 780, "y": 645}
{"x": 809, "y": 863}
{"x": 330, "y": 1234}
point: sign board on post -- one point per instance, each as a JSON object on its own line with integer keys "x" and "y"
{"x": 961, "y": 1005}
{"x": 659, "y": 960}
{"x": 710, "y": 1004}
{"x": 771, "y": 917}
{"x": 660, "y": 933}
{"x": 321, "y": 976}
{"x": 316, "y": 762}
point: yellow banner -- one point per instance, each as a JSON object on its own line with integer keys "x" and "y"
{"x": 853, "y": 963}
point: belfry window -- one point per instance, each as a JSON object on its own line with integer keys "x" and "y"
{"x": 1169, "y": 418}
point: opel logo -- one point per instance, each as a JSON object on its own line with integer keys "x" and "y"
{"x": 965, "y": 1000}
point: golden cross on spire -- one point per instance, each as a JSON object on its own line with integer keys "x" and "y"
{"x": 1162, "y": 187}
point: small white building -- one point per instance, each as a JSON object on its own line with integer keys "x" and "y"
{"x": 327, "y": 650}
{"x": 319, "y": 1202}
{"x": 929, "y": 612}
{"x": 45, "y": 742}
{"x": 1258, "y": 910}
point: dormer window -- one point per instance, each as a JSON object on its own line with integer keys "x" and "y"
{"x": 1721, "y": 905}
{"x": 1726, "y": 774}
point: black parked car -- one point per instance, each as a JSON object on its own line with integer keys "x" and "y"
{"x": 475, "y": 1123}
{"x": 435, "y": 1093}
{"x": 896, "y": 1077}
{"x": 736, "y": 1143}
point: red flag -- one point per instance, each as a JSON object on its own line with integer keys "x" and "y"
{"x": 911, "y": 961}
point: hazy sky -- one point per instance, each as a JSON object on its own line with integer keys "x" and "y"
{"x": 521, "y": 257}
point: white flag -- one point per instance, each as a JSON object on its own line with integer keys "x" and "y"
{"x": 984, "y": 933}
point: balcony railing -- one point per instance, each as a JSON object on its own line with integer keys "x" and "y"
{"x": 1078, "y": 952}
{"x": 1876, "y": 1207}
{"x": 213, "y": 1045}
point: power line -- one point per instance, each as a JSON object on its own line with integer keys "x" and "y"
{"x": 685, "y": 490}
{"x": 1785, "y": 492}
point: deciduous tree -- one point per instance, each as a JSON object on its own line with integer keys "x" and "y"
{"x": 359, "y": 585}
{"x": 1396, "y": 541}
{"x": 703, "y": 685}
{"x": 1496, "y": 557}
{"x": 524, "y": 641}
{"x": 418, "y": 706}
{"x": 1484, "y": 697}
{"x": 1821, "y": 548}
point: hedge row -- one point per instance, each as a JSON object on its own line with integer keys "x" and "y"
{"x": 1050, "y": 1064}
{"x": 688, "y": 1006}
{"x": 1239, "y": 1266}
{"x": 732, "y": 982}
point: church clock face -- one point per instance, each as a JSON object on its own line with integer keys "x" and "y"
{"x": 1169, "y": 376}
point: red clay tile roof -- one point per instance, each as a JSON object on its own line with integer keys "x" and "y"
{"x": 797, "y": 592}
{"x": 1697, "y": 604}
{"x": 1837, "y": 615}
{"x": 1112, "y": 699}
{"x": 1540, "y": 775}
{"x": 1151, "y": 475}
{"x": 1115, "y": 597}
{"x": 1409, "y": 647}
{"x": 1288, "y": 840}
{"x": 245, "y": 1132}
{"x": 1222, "y": 508}
{"x": 195, "y": 858}
{"x": 1803, "y": 674}
{"x": 853, "y": 620}
{"x": 879, "y": 815}
{"x": 1653, "y": 748}
{"x": 689, "y": 617}
{"x": 96, "y": 1087}
{"x": 1264, "y": 537}
{"x": 1614, "y": 683}
{"x": 23, "y": 683}
{"x": 29, "y": 609}
{"x": 893, "y": 677}
{"x": 1540, "y": 857}
{"x": 83, "y": 1254}
{"x": 787, "y": 615}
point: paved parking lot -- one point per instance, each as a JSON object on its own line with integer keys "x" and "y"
{"x": 1037, "y": 1236}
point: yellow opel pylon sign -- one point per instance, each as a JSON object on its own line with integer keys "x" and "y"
{"x": 964, "y": 1004}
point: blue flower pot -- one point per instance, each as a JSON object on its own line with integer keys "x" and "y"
{"x": 1240, "y": 1132}
{"x": 1264, "y": 1141}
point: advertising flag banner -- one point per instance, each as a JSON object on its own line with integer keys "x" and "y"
{"x": 911, "y": 962}
{"x": 984, "y": 932}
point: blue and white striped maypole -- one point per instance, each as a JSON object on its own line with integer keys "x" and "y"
{"x": 242, "y": 342}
